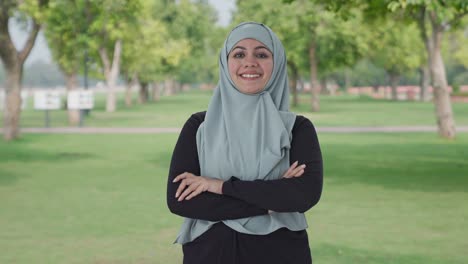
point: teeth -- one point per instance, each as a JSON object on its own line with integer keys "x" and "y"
{"x": 250, "y": 75}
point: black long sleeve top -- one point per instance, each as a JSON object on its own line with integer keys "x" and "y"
{"x": 248, "y": 198}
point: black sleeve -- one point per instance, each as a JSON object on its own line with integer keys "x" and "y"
{"x": 206, "y": 206}
{"x": 287, "y": 195}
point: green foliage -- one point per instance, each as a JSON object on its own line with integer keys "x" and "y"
{"x": 35, "y": 9}
{"x": 149, "y": 46}
{"x": 195, "y": 23}
{"x": 107, "y": 22}
{"x": 66, "y": 33}
{"x": 444, "y": 10}
{"x": 281, "y": 19}
{"x": 340, "y": 43}
{"x": 396, "y": 46}
{"x": 456, "y": 45}
{"x": 82, "y": 26}
{"x": 365, "y": 73}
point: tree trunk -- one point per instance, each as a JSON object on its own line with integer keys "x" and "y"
{"x": 144, "y": 93}
{"x": 156, "y": 92}
{"x": 347, "y": 79}
{"x": 177, "y": 86}
{"x": 169, "y": 86}
{"x": 131, "y": 82}
{"x": 426, "y": 68}
{"x": 293, "y": 82}
{"x": 323, "y": 86}
{"x": 394, "y": 80}
{"x": 111, "y": 71}
{"x": 128, "y": 95}
{"x": 314, "y": 83}
{"x": 12, "y": 109}
{"x": 72, "y": 84}
{"x": 13, "y": 61}
{"x": 424, "y": 82}
{"x": 443, "y": 105}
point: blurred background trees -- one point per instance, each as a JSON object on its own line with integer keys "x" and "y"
{"x": 30, "y": 14}
{"x": 160, "y": 46}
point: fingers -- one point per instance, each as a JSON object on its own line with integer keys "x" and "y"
{"x": 287, "y": 174}
{"x": 298, "y": 171}
{"x": 183, "y": 184}
{"x": 190, "y": 186}
{"x": 181, "y": 176}
{"x": 188, "y": 191}
{"x": 294, "y": 170}
{"x": 197, "y": 191}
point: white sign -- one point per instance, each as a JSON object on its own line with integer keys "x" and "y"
{"x": 24, "y": 100}
{"x": 46, "y": 100}
{"x": 80, "y": 99}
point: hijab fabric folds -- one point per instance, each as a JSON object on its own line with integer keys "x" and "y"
{"x": 247, "y": 136}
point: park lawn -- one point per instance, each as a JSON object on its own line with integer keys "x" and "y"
{"x": 388, "y": 198}
{"x": 173, "y": 111}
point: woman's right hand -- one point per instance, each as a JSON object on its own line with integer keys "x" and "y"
{"x": 294, "y": 171}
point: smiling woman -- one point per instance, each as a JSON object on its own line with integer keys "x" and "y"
{"x": 244, "y": 172}
{"x": 250, "y": 66}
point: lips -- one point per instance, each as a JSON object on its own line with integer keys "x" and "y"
{"x": 250, "y": 75}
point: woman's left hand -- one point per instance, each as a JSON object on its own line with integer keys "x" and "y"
{"x": 195, "y": 185}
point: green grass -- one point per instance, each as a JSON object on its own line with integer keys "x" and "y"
{"x": 173, "y": 111}
{"x": 349, "y": 110}
{"x": 388, "y": 198}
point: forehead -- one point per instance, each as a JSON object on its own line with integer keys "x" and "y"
{"x": 249, "y": 44}
{"x": 249, "y": 30}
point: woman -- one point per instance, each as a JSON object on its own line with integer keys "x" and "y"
{"x": 244, "y": 172}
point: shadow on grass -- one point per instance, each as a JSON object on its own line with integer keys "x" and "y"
{"x": 410, "y": 166}
{"x": 21, "y": 151}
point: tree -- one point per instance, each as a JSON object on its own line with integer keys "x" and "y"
{"x": 396, "y": 48}
{"x": 455, "y": 53}
{"x": 441, "y": 15}
{"x": 150, "y": 48}
{"x": 194, "y": 22}
{"x": 31, "y": 13}
{"x": 434, "y": 17}
{"x": 65, "y": 30}
{"x": 110, "y": 21}
{"x": 316, "y": 40}
{"x": 281, "y": 18}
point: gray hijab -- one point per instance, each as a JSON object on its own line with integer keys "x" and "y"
{"x": 247, "y": 135}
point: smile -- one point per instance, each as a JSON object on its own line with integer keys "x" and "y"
{"x": 250, "y": 75}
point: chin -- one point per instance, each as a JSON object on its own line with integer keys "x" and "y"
{"x": 251, "y": 90}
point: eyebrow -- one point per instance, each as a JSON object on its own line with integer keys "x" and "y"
{"x": 244, "y": 48}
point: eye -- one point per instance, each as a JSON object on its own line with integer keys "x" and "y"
{"x": 238, "y": 55}
{"x": 262, "y": 55}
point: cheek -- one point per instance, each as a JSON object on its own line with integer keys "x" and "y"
{"x": 232, "y": 68}
{"x": 268, "y": 68}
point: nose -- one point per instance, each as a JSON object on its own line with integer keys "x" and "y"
{"x": 250, "y": 61}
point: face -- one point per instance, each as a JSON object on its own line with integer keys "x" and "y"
{"x": 250, "y": 65}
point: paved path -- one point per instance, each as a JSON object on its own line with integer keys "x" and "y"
{"x": 154, "y": 130}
